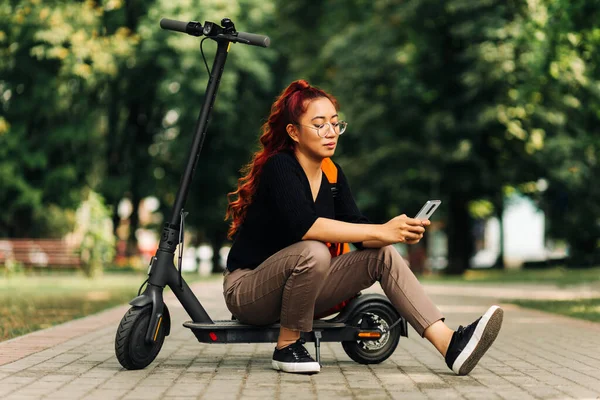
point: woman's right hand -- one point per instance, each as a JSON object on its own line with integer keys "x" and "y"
{"x": 402, "y": 229}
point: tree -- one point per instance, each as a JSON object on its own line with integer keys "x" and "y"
{"x": 135, "y": 113}
{"x": 54, "y": 60}
{"x": 559, "y": 103}
{"x": 151, "y": 106}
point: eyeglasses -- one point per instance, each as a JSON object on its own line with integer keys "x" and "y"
{"x": 324, "y": 129}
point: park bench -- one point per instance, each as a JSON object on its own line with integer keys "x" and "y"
{"x": 39, "y": 253}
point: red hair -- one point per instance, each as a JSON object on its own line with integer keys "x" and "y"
{"x": 287, "y": 109}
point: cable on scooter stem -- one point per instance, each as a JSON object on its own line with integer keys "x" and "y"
{"x": 181, "y": 236}
{"x": 212, "y": 30}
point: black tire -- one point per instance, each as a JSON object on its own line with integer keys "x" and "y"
{"x": 130, "y": 346}
{"x": 374, "y": 352}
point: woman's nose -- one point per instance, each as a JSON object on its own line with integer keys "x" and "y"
{"x": 330, "y": 130}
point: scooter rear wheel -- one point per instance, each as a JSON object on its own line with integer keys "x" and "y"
{"x": 382, "y": 316}
{"x": 131, "y": 348}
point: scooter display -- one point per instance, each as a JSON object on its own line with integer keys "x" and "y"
{"x": 368, "y": 326}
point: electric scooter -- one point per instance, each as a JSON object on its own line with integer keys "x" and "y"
{"x": 368, "y": 326}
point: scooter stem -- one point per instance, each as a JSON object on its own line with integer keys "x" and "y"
{"x": 162, "y": 271}
{"x": 200, "y": 131}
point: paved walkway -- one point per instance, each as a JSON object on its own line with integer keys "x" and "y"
{"x": 536, "y": 355}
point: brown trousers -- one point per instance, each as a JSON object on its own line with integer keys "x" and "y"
{"x": 302, "y": 280}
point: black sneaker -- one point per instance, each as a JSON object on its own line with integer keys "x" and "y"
{"x": 470, "y": 343}
{"x": 295, "y": 358}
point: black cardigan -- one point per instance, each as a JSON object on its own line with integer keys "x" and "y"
{"x": 282, "y": 211}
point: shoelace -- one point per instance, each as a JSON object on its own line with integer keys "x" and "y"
{"x": 465, "y": 330}
{"x": 298, "y": 350}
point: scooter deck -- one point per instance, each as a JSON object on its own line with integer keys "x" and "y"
{"x": 228, "y": 331}
{"x": 231, "y": 324}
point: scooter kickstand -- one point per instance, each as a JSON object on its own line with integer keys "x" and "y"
{"x": 318, "y": 345}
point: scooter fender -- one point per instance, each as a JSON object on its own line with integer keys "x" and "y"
{"x": 363, "y": 299}
{"x": 141, "y": 301}
{"x": 160, "y": 312}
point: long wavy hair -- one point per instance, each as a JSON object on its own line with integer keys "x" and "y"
{"x": 287, "y": 109}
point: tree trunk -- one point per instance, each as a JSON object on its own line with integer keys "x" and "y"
{"x": 114, "y": 155}
{"x": 500, "y": 214}
{"x": 132, "y": 247}
{"x": 459, "y": 231}
{"x": 116, "y": 219}
{"x": 217, "y": 240}
{"x": 583, "y": 251}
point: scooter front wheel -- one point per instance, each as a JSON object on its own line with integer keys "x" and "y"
{"x": 131, "y": 348}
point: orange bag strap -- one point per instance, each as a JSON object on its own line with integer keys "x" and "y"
{"x": 331, "y": 173}
{"x": 330, "y": 170}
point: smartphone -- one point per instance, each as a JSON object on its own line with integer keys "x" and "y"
{"x": 428, "y": 209}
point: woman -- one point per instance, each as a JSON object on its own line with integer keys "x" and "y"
{"x": 283, "y": 213}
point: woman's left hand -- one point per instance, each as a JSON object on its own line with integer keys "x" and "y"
{"x": 424, "y": 223}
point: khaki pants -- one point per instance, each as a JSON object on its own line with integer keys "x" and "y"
{"x": 302, "y": 280}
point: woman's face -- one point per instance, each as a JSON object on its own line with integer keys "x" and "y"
{"x": 312, "y": 133}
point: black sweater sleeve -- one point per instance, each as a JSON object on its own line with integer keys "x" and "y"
{"x": 289, "y": 195}
{"x": 345, "y": 207}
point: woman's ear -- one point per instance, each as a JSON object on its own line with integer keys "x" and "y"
{"x": 292, "y": 132}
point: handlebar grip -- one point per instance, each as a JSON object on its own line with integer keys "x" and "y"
{"x": 254, "y": 39}
{"x": 173, "y": 25}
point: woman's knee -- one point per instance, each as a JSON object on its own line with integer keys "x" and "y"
{"x": 316, "y": 254}
{"x": 391, "y": 257}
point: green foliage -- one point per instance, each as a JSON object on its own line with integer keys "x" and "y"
{"x": 422, "y": 84}
{"x": 556, "y": 103}
{"x": 457, "y": 100}
{"x": 155, "y": 100}
{"x": 243, "y": 101}
{"x": 54, "y": 60}
{"x": 12, "y": 268}
{"x": 94, "y": 232}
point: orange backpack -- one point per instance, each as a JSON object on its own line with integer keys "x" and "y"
{"x": 331, "y": 173}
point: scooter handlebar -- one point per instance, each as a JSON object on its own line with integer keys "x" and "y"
{"x": 195, "y": 29}
{"x": 253, "y": 39}
{"x": 173, "y": 25}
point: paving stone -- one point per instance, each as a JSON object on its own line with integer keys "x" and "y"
{"x": 536, "y": 356}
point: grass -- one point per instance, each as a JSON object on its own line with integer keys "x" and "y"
{"x": 32, "y": 302}
{"x": 588, "y": 309}
{"x": 559, "y": 276}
